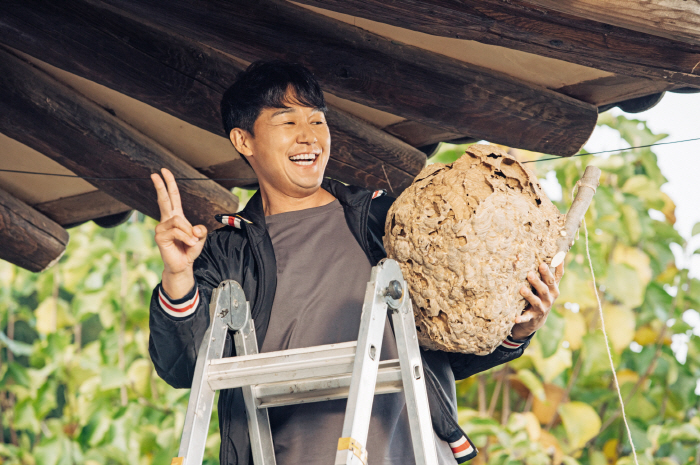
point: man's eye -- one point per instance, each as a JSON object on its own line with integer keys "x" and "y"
{"x": 318, "y": 122}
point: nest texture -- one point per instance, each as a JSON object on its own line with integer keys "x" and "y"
{"x": 465, "y": 235}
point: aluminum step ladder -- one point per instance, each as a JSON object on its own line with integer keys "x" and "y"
{"x": 349, "y": 370}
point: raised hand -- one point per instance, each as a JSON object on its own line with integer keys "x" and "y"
{"x": 179, "y": 242}
{"x": 547, "y": 290}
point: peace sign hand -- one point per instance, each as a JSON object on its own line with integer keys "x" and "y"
{"x": 178, "y": 241}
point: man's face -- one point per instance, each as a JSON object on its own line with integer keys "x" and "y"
{"x": 290, "y": 149}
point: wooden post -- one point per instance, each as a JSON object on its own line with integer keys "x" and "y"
{"x": 29, "y": 239}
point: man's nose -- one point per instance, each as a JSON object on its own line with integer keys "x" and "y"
{"x": 306, "y": 134}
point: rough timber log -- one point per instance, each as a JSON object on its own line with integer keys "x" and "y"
{"x": 68, "y": 211}
{"x": 183, "y": 78}
{"x": 373, "y": 70}
{"x": 29, "y": 239}
{"x": 673, "y": 19}
{"x": 522, "y": 26}
{"x": 55, "y": 120}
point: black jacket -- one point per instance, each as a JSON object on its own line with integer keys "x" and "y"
{"x": 245, "y": 254}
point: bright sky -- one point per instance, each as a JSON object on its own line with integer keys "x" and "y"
{"x": 677, "y": 115}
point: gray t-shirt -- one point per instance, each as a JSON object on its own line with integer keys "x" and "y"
{"x": 322, "y": 274}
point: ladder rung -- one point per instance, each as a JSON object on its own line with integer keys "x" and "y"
{"x": 282, "y": 366}
{"x": 321, "y": 389}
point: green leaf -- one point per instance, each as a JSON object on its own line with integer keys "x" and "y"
{"x": 696, "y": 229}
{"x": 532, "y": 382}
{"x": 595, "y": 356}
{"x": 17, "y": 347}
{"x": 657, "y": 302}
{"x": 551, "y": 334}
{"x": 113, "y": 377}
{"x": 25, "y": 416}
{"x": 630, "y": 218}
{"x": 551, "y": 367}
{"x": 49, "y": 452}
{"x": 581, "y": 423}
{"x": 625, "y": 285}
{"x": 16, "y": 373}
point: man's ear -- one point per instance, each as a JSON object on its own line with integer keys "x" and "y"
{"x": 241, "y": 140}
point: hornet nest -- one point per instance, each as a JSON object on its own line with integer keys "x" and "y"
{"x": 465, "y": 235}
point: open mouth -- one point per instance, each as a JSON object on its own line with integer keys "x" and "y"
{"x": 304, "y": 159}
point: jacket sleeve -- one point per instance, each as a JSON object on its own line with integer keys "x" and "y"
{"x": 466, "y": 365}
{"x": 177, "y": 327}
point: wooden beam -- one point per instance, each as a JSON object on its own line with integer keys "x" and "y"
{"x": 80, "y": 208}
{"x": 176, "y": 75}
{"x": 521, "y": 26}
{"x": 53, "y": 119}
{"x": 393, "y": 171}
{"x": 29, "y": 239}
{"x": 370, "y": 69}
{"x": 418, "y": 134}
{"x": 613, "y": 89}
{"x": 673, "y": 19}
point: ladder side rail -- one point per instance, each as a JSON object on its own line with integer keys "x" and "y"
{"x": 246, "y": 343}
{"x": 201, "y": 401}
{"x": 416, "y": 394}
{"x": 352, "y": 445}
{"x": 259, "y": 429}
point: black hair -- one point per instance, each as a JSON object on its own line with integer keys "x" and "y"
{"x": 264, "y": 84}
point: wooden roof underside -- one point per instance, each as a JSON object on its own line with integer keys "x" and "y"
{"x": 119, "y": 88}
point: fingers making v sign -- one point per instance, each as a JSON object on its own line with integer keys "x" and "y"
{"x": 179, "y": 242}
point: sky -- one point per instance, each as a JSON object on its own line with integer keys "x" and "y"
{"x": 677, "y": 115}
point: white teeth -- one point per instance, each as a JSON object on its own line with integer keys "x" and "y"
{"x": 304, "y": 159}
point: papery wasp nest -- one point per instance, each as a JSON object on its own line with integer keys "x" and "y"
{"x": 465, "y": 235}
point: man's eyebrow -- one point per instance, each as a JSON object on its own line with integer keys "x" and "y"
{"x": 282, "y": 111}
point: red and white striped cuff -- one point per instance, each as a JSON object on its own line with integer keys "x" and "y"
{"x": 378, "y": 193}
{"x": 509, "y": 343}
{"x": 180, "y": 309}
{"x": 461, "y": 448}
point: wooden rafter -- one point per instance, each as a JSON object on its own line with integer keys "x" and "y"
{"x": 53, "y": 119}
{"x": 183, "y": 78}
{"x": 79, "y": 208}
{"x": 523, "y": 26}
{"x": 375, "y": 71}
{"x": 29, "y": 239}
{"x": 674, "y": 19}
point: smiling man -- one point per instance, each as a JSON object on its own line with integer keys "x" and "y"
{"x": 302, "y": 249}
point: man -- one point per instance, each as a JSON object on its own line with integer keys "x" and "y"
{"x": 302, "y": 249}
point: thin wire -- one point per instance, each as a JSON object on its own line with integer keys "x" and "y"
{"x": 118, "y": 179}
{"x": 615, "y": 150}
{"x": 607, "y": 342}
{"x": 97, "y": 178}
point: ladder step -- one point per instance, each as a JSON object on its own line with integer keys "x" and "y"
{"x": 282, "y": 366}
{"x": 328, "y": 388}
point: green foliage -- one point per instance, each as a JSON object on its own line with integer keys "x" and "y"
{"x": 645, "y": 297}
{"x": 76, "y": 383}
